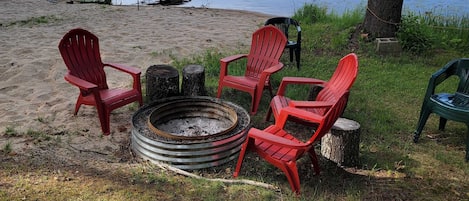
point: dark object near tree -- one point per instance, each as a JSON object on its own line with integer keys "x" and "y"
{"x": 162, "y": 82}
{"x": 342, "y": 143}
{"x": 193, "y": 81}
{"x": 382, "y": 18}
{"x": 452, "y": 106}
{"x": 80, "y": 51}
{"x": 294, "y": 46}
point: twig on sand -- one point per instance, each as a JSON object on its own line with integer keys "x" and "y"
{"x": 230, "y": 181}
{"x": 84, "y": 150}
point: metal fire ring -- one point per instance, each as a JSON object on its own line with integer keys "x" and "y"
{"x": 188, "y": 153}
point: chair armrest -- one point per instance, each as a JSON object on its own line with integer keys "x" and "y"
{"x": 273, "y": 69}
{"x": 124, "y": 68}
{"x": 231, "y": 58}
{"x": 298, "y": 113}
{"x": 134, "y": 72}
{"x": 265, "y": 76}
{"x": 80, "y": 83}
{"x": 274, "y": 139}
{"x": 225, "y": 61}
{"x": 441, "y": 75}
{"x": 297, "y": 80}
{"x": 310, "y": 104}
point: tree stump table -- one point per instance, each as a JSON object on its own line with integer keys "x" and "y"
{"x": 161, "y": 81}
{"x": 341, "y": 144}
{"x": 193, "y": 81}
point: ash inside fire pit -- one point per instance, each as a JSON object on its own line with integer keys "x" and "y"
{"x": 192, "y": 119}
{"x": 198, "y": 126}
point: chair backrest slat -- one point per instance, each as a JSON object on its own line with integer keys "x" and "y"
{"x": 80, "y": 51}
{"x": 267, "y": 47}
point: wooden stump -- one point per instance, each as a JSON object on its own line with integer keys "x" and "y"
{"x": 162, "y": 82}
{"x": 341, "y": 144}
{"x": 193, "y": 81}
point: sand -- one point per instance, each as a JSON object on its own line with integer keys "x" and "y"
{"x": 35, "y": 97}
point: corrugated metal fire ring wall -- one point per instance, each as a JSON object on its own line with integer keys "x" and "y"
{"x": 187, "y": 154}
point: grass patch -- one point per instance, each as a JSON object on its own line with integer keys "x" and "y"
{"x": 34, "y": 21}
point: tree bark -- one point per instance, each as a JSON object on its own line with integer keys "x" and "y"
{"x": 162, "y": 81}
{"x": 342, "y": 144}
{"x": 193, "y": 81}
{"x": 382, "y": 18}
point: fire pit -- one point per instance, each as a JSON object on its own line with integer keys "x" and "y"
{"x": 189, "y": 132}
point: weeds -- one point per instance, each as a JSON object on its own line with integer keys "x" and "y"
{"x": 11, "y": 131}
{"x": 7, "y": 148}
{"x": 35, "y": 21}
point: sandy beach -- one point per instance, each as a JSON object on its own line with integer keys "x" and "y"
{"x": 35, "y": 97}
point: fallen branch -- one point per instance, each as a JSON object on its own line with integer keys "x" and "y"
{"x": 230, "y": 181}
{"x": 85, "y": 150}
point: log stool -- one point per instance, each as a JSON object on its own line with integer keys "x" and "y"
{"x": 193, "y": 81}
{"x": 162, "y": 82}
{"x": 341, "y": 144}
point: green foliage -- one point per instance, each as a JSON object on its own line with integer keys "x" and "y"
{"x": 414, "y": 35}
{"x": 310, "y": 14}
{"x": 420, "y": 34}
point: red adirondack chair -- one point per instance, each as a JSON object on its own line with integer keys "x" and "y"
{"x": 282, "y": 149}
{"x": 263, "y": 59}
{"x": 342, "y": 79}
{"x": 80, "y": 51}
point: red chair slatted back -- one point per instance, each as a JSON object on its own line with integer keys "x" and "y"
{"x": 267, "y": 47}
{"x": 80, "y": 51}
{"x": 345, "y": 73}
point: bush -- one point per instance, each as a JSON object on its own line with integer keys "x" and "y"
{"x": 414, "y": 35}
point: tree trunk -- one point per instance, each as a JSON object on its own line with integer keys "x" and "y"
{"x": 382, "y": 18}
{"x": 342, "y": 144}
{"x": 162, "y": 82}
{"x": 193, "y": 81}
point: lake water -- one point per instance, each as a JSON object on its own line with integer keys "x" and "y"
{"x": 288, "y": 7}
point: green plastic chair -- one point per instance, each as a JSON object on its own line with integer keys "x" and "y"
{"x": 452, "y": 106}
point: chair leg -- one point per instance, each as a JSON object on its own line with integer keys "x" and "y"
{"x": 291, "y": 54}
{"x": 297, "y": 57}
{"x": 77, "y": 107}
{"x": 314, "y": 160}
{"x": 104, "y": 119}
{"x": 467, "y": 144}
{"x": 424, "y": 114}
{"x": 442, "y": 124}
{"x": 242, "y": 153}
{"x": 220, "y": 88}
{"x": 291, "y": 172}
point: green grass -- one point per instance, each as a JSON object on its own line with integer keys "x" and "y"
{"x": 385, "y": 100}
